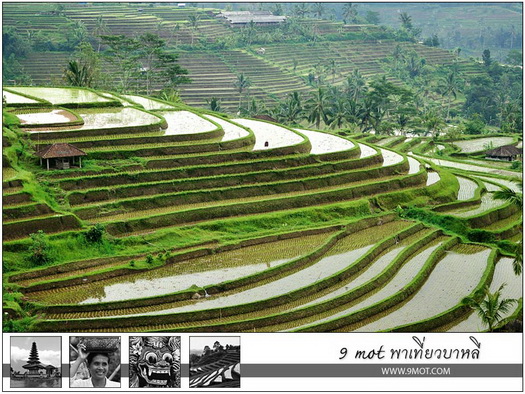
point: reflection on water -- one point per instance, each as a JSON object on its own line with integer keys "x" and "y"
{"x": 36, "y": 383}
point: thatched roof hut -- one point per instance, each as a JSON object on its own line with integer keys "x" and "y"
{"x": 506, "y": 152}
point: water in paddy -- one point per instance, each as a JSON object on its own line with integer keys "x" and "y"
{"x": 13, "y": 98}
{"x": 269, "y": 136}
{"x": 467, "y": 189}
{"x": 414, "y": 165}
{"x": 487, "y": 203}
{"x": 390, "y": 158}
{"x": 469, "y": 167}
{"x": 432, "y": 177}
{"x": 148, "y": 104}
{"x": 346, "y": 251}
{"x": 62, "y": 96}
{"x": 366, "y": 151}
{"x": 503, "y": 273}
{"x": 201, "y": 271}
{"x": 478, "y": 144}
{"x": 405, "y": 274}
{"x": 325, "y": 143}
{"x": 454, "y": 277}
{"x": 511, "y": 185}
{"x": 231, "y": 131}
{"x": 185, "y": 122}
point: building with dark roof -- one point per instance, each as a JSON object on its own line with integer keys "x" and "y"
{"x": 61, "y": 156}
{"x": 506, "y": 152}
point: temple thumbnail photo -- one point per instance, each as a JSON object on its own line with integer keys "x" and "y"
{"x": 35, "y": 362}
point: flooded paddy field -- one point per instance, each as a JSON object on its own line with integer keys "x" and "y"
{"x": 180, "y": 276}
{"x": 231, "y": 131}
{"x": 109, "y": 118}
{"x": 185, "y": 122}
{"x": 58, "y": 96}
{"x": 503, "y": 274}
{"x": 456, "y": 275}
{"x": 479, "y": 144}
{"x": 325, "y": 143}
{"x": 147, "y": 103}
{"x": 405, "y": 274}
{"x": 270, "y": 136}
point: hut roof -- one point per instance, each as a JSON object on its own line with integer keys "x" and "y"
{"x": 504, "y": 151}
{"x": 60, "y": 150}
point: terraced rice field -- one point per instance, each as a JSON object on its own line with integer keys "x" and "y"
{"x": 480, "y": 144}
{"x": 219, "y": 224}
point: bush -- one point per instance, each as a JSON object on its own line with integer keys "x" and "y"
{"x": 149, "y": 259}
{"x": 40, "y": 250}
{"x": 95, "y": 233}
{"x": 482, "y": 236}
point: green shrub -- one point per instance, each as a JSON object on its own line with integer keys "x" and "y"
{"x": 482, "y": 236}
{"x": 149, "y": 259}
{"x": 40, "y": 250}
{"x": 95, "y": 233}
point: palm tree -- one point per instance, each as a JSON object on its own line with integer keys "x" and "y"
{"x": 406, "y": 21}
{"x": 433, "y": 123}
{"x": 512, "y": 196}
{"x": 355, "y": 85}
{"x": 339, "y": 113}
{"x": 317, "y": 107}
{"x": 100, "y": 28}
{"x": 350, "y": 12}
{"x": 318, "y": 10}
{"x": 215, "y": 104}
{"x": 78, "y": 74}
{"x": 241, "y": 84}
{"x": 450, "y": 87}
{"x": 194, "y": 21}
{"x": 492, "y": 308}
{"x": 301, "y": 9}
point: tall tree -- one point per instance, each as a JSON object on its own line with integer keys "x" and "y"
{"x": 355, "y": 85}
{"x": 318, "y": 108}
{"x": 301, "y": 9}
{"x": 450, "y": 87}
{"x": 194, "y": 22}
{"x": 492, "y": 307}
{"x": 350, "y": 13}
{"x": 242, "y": 83}
{"x": 318, "y": 10}
{"x": 100, "y": 28}
{"x": 159, "y": 68}
{"x": 123, "y": 54}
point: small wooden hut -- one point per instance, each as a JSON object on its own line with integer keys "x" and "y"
{"x": 61, "y": 156}
{"x": 506, "y": 152}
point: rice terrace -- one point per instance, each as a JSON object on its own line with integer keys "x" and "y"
{"x": 261, "y": 167}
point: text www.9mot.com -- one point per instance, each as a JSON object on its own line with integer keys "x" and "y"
{"x": 421, "y": 371}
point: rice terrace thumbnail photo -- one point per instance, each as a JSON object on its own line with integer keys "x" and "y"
{"x": 262, "y": 167}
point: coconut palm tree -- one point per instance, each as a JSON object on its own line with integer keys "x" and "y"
{"x": 78, "y": 74}
{"x": 317, "y": 107}
{"x": 510, "y": 195}
{"x": 100, "y": 28}
{"x": 194, "y": 22}
{"x": 350, "y": 12}
{"x": 355, "y": 85}
{"x": 301, "y": 9}
{"x": 242, "y": 83}
{"x": 491, "y": 309}
{"x": 318, "y": 10}
{"x": 450, "y": 86}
